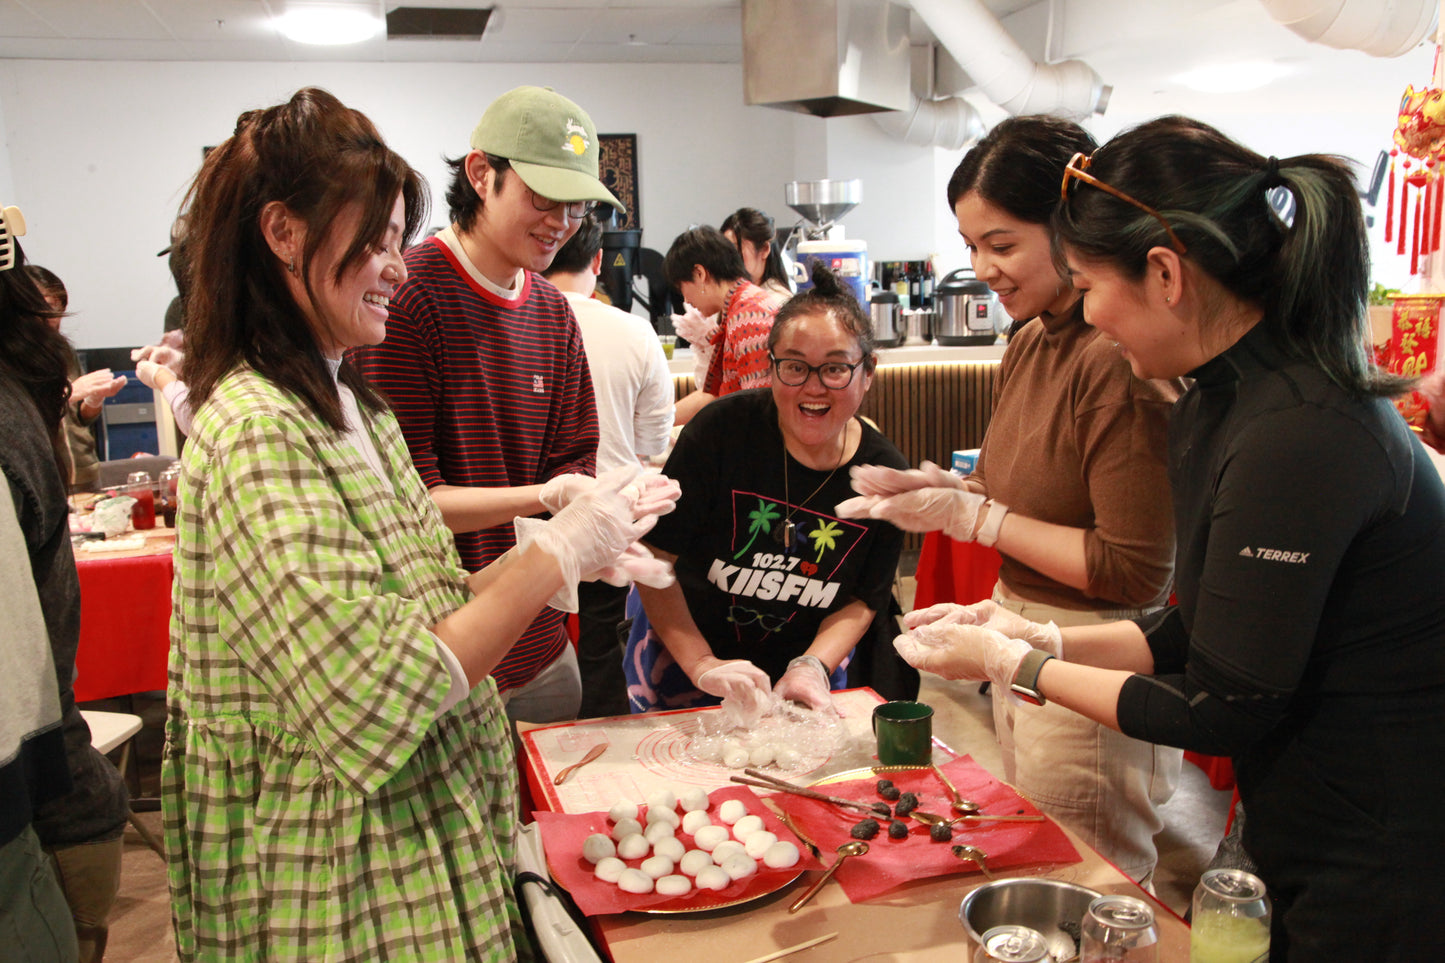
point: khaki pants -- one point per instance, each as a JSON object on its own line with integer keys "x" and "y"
{"x": 34, "y": 924}
{"x": 89, "y": 875}
{"x": 1100, "y": 783}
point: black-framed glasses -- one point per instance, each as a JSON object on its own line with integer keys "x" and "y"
{"x": 1078, "y": 168}
{"x": 831, "y": 374}
{"x": 575, "y": 209}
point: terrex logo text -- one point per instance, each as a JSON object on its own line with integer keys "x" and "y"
{"x": 1275, "y": 555}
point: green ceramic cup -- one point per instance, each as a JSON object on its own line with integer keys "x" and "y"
{"x": 904, "y": 731}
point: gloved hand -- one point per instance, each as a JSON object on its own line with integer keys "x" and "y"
{"x": 991, "y": 615}
{"x": 877, "y": 480}
{"x": 589, "y": 534}
{"x": 807, "y": 682}
{"x": 656, "y": 493}
{"x": 697, "y": 331}
{"x": 946, "y": 510}
{"x": 735, "y": 679}
{"x": 96, "y": 386}
{"x": 966, "y": 653}
{"x": 637, "y": 564}
{"x": 167, "y": 351}
{"x": 559, "y": 490}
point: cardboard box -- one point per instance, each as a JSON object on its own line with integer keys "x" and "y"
{"x": 965, "y": 461}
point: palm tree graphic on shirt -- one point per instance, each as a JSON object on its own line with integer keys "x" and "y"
{"x": 824, "y": 537}
{"x": 760, "y": 519}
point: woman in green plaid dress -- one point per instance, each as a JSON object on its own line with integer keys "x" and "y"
{"x": 339, "y": 782}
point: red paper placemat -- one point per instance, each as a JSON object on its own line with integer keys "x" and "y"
{"x": 893, "y": 862}
{"x": 563, "y": 835}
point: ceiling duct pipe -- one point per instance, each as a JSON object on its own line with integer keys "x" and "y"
{"x": 951, "y": 123}
{"x": 1003, "y": 71}
{"x": 1379, "y": 28}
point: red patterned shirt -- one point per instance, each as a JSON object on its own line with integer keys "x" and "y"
{"x": 747, "y": 319}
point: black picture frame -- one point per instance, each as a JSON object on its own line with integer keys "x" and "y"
{"x": 617, "y": 166}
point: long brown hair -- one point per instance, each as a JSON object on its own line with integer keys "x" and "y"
{"x": 35, "y": 354}
{"x": 316, "y": 156}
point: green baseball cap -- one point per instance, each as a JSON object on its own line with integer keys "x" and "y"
{"x": 550, "y": 141}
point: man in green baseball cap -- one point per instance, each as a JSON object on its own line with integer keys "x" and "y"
{"x": 483, "y": 359}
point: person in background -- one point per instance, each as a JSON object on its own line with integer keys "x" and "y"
{"x": 634, "y": 419}
{"x": 79, "y": 830}
{"x": 338, "y": 778}
{"x": 773, "y": 590}
{"x": 87, "y": 391}
{"x": 1071, "y": 488}
{"x": 1308, "y": 641}
{"x": 708, "y": 271}
{"x": 752, "y": 231}
{"x": 484, "y": 365}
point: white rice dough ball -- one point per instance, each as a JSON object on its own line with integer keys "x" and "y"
{"x": 758, "y": 843}
{"x": 761, "y": 756}
{"x": 694, "y": 821}
{"x": 598, "y": 847}
{"x": 739, "y": 867}
{"x": 713, "y": 878}
{"x": 634, "y": 881}
{"x": 781, "y": 855}
{"x": 731, "y": 811}
{"x": 674, "y": 886}
{"x": 693, "y": 800}
{"x": 657, "y": 866}
{"x": 662, "y": 799}
{"x": 609, "y": 869}
{"x": 746, "y": 826}
{"x": 735, "y": 758}
{"x": 787, "y": 758}
{"x": 622, "y": 809}
{"x": 634, "y": 846}
{"x": 656, "y": 832}
{"x": 727, "y": 848}
{"x": 656, "y": 814}
{"x": 626, "y": 827}
{"x": 671, "y": 847}
{"x": 695, "y": 861}
{"x": 708, "y": 837}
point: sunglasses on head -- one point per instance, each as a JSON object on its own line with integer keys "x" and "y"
{"x": 1077, "y": 170}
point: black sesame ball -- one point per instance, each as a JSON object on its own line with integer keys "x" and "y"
{"x": 940, "y": 832}
{"x": 889, "y": 792}
{"x": 866, "y": 829}
{"x": 897, "y": 830}
{"x": 906, "y": 804}
{"x": 882, "y": 810}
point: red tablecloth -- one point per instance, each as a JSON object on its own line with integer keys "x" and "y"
{"x": 125, "y": 624}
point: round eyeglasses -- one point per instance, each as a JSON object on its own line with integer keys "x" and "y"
{"x": 575, "y": 209}
{"x": 831, "y": 374}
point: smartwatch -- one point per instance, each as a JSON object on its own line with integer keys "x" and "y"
{"x": 992, "y": 522}
{"x": 1025, "y": 684}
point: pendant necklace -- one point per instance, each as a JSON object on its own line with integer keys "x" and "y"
{"x": 786, "y": 533}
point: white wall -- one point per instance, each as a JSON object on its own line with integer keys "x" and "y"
{"x": 101, "y": 152}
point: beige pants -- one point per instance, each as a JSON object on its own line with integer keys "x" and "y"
{"x": 1100, "y": 783}
{"x": 89, "y": 875}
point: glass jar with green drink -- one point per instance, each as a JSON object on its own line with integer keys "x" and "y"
{"x": 1230, "y": 919}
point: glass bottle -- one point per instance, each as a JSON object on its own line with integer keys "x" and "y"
{"x": 138, "y": 485}
{"x": 1119, "y": 929}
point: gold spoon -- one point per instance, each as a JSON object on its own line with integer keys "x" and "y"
{"x": 592, "y": 754}
{"x": 854, "y": 847}
{"x": 929, "y": 819}
{"x": 974, "y": 855}
{"x": 960, "y": 805}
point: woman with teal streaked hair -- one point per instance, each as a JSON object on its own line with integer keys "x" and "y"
{"x": 774, "y": 590}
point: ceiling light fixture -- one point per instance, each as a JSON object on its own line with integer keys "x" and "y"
{"x": 328, "y": 26}
{"x": 1232, "y": 78}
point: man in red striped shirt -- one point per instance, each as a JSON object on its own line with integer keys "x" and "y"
{"x": 483, "y": 359}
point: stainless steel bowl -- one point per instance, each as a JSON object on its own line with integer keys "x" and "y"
{"x": 823, "y": 202}
{"x": 1054, "y": 908}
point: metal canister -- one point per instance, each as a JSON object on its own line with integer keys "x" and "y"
{"x": 887, "y": 319}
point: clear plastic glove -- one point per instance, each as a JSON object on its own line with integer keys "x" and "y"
{"x": 693, "y": 328}
{"x": 728, "y": 679}
{"x": 168, "y": 351}
{"x": 656, "y": 493}
{"x": 991, "y": 615}
{"x": 637, "y": 564}
{"x": 877, "y": 480}
{"x": 154, "y": 376}
{"x": 590, "y": 534}
{"x": 559, "y": 490}
{"x": 807, "y": 682}
{"x": 948, "y": 510}
{"x": 96, "y": 386}
{"x": 964, "y": 653}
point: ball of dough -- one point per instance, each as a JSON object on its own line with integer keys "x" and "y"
{"x": 609, "y": 869}
{"x": 695, "y": 861}
{"x": 694, "y": 821}
{"x": 787, "y": 758}
{"x": 634, "y": 846}
{"x": 671, "y": 847}
{"x": 727, "y": 848}
{"x": 746, "y": 826}
{"x": 657, "y": 866}
{"x": 781, "y": 855}
{"x": 597, "y": 847}
{"x": 708, "y": 837}
{"x": 693, "y": 800}
{"x": 655, "y": 832}
{"x": 714, "y": 878}
{"x": 674, "y": 886}
{"x": 731, "y": 811}
{"x": 735, "y": 758}
{"x": 626, "y": 827}
{"x": 634, "y": 881}
{"x": 622, "y": 809}
{"x": 656, "y": 814}
{"x": 757, "y": 844}
{"x": 662, "y": 799}
{"x": 740, "y": 866}
{"x": 761, "y": 756}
